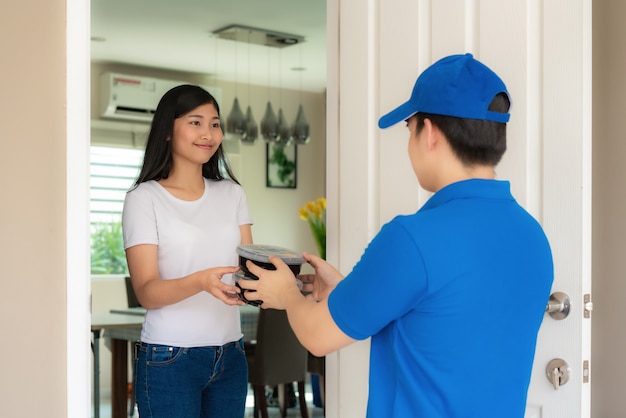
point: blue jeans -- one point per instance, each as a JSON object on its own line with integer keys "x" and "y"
{"x": 178, "y": 382}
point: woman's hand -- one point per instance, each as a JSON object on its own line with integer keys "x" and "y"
{"x": 320, "y": 284}
{"x": 211, "y": 281}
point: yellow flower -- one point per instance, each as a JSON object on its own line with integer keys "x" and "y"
{"x": 313, "y": 213}
{"x": 317, "y": 211}
{"x": 310, "y": 206}
{"x": 322, "y": 202}
{"x": 304, "y": 213}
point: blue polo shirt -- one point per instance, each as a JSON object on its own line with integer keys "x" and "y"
{"x": 453, "y": 297}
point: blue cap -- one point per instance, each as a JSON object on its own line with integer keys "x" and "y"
{"x": 458, "y": 86}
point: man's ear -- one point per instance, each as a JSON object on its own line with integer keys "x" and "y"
{"x": 432, "y": 134}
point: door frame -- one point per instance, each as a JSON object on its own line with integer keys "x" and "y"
{"x": 78, "y": 18}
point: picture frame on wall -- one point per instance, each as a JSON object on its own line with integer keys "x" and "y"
{"x": 281, "y": 166}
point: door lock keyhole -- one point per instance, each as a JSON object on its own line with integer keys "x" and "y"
{"x": 558, "y": 372}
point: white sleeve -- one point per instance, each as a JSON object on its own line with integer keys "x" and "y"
{"x": 138, "y": 219}
{"x": 243, "y": 215}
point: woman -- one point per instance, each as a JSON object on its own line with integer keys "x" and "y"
{"x": 182, "y": 222}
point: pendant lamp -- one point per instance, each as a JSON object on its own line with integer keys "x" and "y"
{"x": 236, "y": 121}
{"x": 269, "y": 124}
{"x": 251, "y": 132}
{"x": 284, "y": 133}
{"x": 300, "y": 129}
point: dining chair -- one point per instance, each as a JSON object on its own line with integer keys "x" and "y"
{"x": 277, "y": 358}
{"x": 131, "y": 297}
{"x": 317, "y": 366}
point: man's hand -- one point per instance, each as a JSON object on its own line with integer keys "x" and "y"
{"x": 274, "y": 287}
{"x": 320, "y": 284}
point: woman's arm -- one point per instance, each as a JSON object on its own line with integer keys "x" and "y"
{"x": 246, "y": 233}
{"x": 152, "y": 292}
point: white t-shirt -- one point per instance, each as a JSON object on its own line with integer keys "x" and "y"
{"x": 191, "y": 236}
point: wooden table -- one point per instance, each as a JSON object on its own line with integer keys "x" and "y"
{"x": 123, "y": 326}
{"x": 119, "y": 352}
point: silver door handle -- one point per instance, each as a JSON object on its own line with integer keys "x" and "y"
{"x": 558, "y": 306}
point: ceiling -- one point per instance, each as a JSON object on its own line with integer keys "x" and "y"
{"x": 178, "y": 35}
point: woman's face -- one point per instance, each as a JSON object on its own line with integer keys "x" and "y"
{"x": 197, "y": 135}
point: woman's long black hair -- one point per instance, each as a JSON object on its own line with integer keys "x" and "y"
{"x": 157, "y": 161}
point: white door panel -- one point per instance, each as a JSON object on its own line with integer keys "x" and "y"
{"x": 532, "y": 411}
{"x": 543, "y": 52}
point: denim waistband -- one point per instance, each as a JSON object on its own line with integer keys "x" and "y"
{"x": 144, "y": 346}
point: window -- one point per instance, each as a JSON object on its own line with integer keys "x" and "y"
{"x": 112, "y": 173}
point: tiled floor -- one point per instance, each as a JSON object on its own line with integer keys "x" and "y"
{"x": 273, "y": 412}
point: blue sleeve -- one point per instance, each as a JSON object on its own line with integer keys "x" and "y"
{"x": 386, "y": 283}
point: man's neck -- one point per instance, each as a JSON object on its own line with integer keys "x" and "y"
{"x": 464, "y": 172}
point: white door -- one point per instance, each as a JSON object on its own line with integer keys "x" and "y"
{"x": 543, "y": 52}
{"x": 561, "y": 163}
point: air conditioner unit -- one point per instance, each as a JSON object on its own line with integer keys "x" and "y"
{"x": 128, "y": 97}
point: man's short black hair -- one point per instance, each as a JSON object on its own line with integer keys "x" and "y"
{"x": 474, "y": 142}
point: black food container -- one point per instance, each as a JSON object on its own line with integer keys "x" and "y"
{"x": 259, "y": 255}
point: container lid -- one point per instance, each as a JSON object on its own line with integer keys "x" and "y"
{"x": 262, "y": 253}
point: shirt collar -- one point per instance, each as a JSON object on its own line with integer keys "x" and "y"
{"x": 472, "y": 189}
